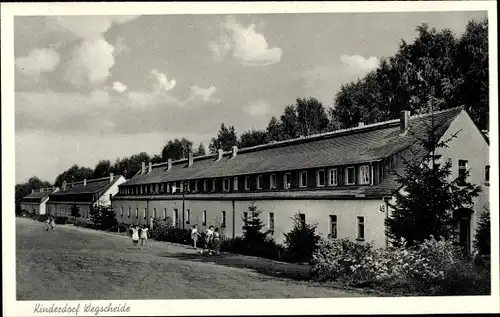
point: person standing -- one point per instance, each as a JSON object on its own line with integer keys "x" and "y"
{"x": 216, "y": 241}
{"x": 135, "y": 235}
{"x": 208, "y": 239}
{"x": 195, "y": 235}
{"x": 52, "y": 224}
{"x": 144, "y": 236}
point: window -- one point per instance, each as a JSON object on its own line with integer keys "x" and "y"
{"x": 175, "y": 216}
{"x": 223, "y": 216}
{"x": 272, "y": 181}
{"x": 136, "y": 213}
{"x": 259, "y": 181}
{"x": 235, "y": 183}
{"x": 168, "y": 187}
{"x": 364, "y": 175}
{"x": 196, "y": 186}
{"x": 164, "y": 213}
{"x": 271, "y": 221}
{"x": 287, "y": 180}
{"x": 214, "y": 185}
{"x": 128, "y": 215}
{"x": 247, "y": 182}
{"x": 462, "y": 170}
{"x": 333, "y": 226}
{"x": 121, "y": 211}
{"x": 188, "y": 186}
{"x": 157, "y": 188}
{"x": 303, "y": 179}
{"x": 162, "y": 188}
{"x": 332, "y": 177}
{"x": 320, "y": 178}
{"x": 225, "y": 184}
{"x": 350, "y": 180}
{"x": 188, "y": 216}
{"x": 487, "y": 174}
{"x": 144, "y": 213}
{"x": 245, "y": 217}
{"x": 205, "y": 185}
{"x": 302, "y": 218}
{"x": 204, "y": 217}
{"x": 154, "y": 213}
{"x": 361, "y": 228}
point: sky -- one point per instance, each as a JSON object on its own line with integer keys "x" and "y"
{"x": 104, "y": 87}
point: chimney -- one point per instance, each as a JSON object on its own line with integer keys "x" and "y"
{"x": 143, "y": 168}
{"x": 32, "y": 190}
{"x": 84, "y": 182}
{"x": 219, "y": 154}
{"x": 64, "y": 185}
{"x": 235, "y": 151}
{"x": 404, "y": 120}
{"x": 190, "y": 159}
{"x": 361, "y": 124}
{"x": 111, "y": 176}
{"x": 169, "y": 164}
{"x": 150, "y": 167}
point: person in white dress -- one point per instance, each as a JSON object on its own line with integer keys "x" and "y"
{"x": 195, "y": 235}
{"x": 135, "y": 235}
{"x": 144, "y": 236}
{"x": 209, "y": 234}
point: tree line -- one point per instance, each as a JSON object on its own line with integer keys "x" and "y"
{"x": 452, "y": 69}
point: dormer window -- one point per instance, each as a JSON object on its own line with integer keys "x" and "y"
{"x": 247, "y": 182}
{"x": 272, "y": 181}
{"x": 332, "y": 177}
{"x": 320, "y": 178}
{"x": 235, "y": 183}
{"x": 303, "y": 179}
{"x": 259, "y": 181}
{"x": 205, "y": 185}
{"x": 225, "y": 184}
{"x": 350, "y": 178}
{"x": 196, "y": 186}
{"x": 364, "y": 175}
{"x": 287, "y": 181}
{"x": 214, "y": 185}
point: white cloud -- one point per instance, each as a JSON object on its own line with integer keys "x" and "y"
{"x": 38, "y": 61}
{"x": 204, "y": 93}
{"x": 247, "y": 45}
{"x": 162, "y": 82}
{"x": 90, "y": 63}
{"x": 119, "y": 86}
{"x": 359, "y": 63}
{"x": 257, "y": 108}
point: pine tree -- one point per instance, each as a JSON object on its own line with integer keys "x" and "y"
{"x": 252, "y": 228}
{"x": 75, "y": 211}
{"x": 301, "y": 241}
{"x": 482, "y": 238}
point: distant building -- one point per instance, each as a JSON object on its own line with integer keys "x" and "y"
{"x": 84, "y": 194}
{"x": 341, "y": 180}
{"x": 35, "y": 203}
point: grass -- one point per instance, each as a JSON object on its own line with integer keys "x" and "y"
{"x": 74, "y": 263}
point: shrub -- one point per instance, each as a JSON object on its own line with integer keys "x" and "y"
{"x": 61, "y": 220}
{"x": 103, "y": 217}
{"x": 267, "y": 248}
{"x": 301, "y": 241}
{"x": 42, "y": 218}
{"x": 482, "y": 238}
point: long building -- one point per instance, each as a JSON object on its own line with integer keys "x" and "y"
{"x": 342, "y": 180}
{"x": 36, "y": 201}
{"x": 84, "y": 194}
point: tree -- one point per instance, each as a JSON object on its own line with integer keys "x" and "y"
{"x": 252, "y": 226}
{"x": 311, "y": 116}
{"x": 156, "y": 159}
{"x": 301, "y": 241}
{"x": 74, "y": 174}
{"x": 102, "y": 169}
{"x": 252, "y": 138}
{"x": 200, "y": 151}
{"x": 428, "y": 196}
{"x": 103, "y": 217}
{"x": 274, "y": 130}
{"x": 482, "y": 238}
{"x": 177, "y": 149}
{"x": 289, "y": 123}
{"x": 225, "y": 140}
{"x": 75, "y": 211}
{"x": 24, "y": 189}
{"x": 129, "y": 166}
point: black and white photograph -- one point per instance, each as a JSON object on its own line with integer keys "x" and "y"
{"x": 192, "y": 152}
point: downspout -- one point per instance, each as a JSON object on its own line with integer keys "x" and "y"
{"x": 234, "y": 218}
{"x": 183, "y": 208}
{"x": 386, "y": 201}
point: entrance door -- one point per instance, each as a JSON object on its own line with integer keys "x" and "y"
{"x": 464, "y": 234}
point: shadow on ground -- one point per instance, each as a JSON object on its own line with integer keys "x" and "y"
{"x": 259, "y": 265}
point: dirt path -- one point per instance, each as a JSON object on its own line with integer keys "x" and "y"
{"x": 76, "y": 263}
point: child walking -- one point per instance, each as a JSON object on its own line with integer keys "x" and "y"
{"x": 144, "y": 236}
{"x": 208, "y": 239}
{"x": 195, "y": 235}
{"x": 216, "y": 241}
{"x": 135, "y": 235}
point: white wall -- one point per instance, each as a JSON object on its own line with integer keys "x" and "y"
{"x": 316, "y": 211}
{"x": 113, "y": 190}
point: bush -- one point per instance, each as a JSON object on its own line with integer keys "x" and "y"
{"x": 60, "y": 220}
{"x": 164, "y": 231}
{"x": 42, "y": 218}
{"x": 267, "y": 248}
{"x": 301, "y": 241}
{"x": 482, "y": 238}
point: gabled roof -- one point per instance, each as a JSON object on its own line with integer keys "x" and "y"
{"x": 84, "y": 193}
{"x": 344, "y": 147}
{"x": 37, "y": 196}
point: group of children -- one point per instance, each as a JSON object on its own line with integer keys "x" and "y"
{"x": 212, "y": 239}
{"x": 50, "y": 224}
{"x": 140, "y": 233}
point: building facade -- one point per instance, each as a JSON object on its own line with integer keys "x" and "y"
{"x": 35, "y": 203}
{"x": 342, "y": 181}
{"x": 85, "y": 195}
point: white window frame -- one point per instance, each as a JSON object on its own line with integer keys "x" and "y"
{"x": 247, "y": 182}
{"x": 333, "y": 180}
{"x": 363, "y": 181}
{"x": 205, "y": 185}
{"x": 136, "y": 213}
{"x": 336, "y": 225}
{"x": 271, "y": 185}
{"x": 235, "y": 183}
{"x": 225, "y": 184}
{"x": 347, "y": 175}
{"x": 259, "y": 181}
{"x": 214, "y": 185}
{"x": 318, "y": 178}
{"x": 287, "y": 185}
{"x": 196, "y": 187}
{"x": 360, "y": 222}
{"x": 175, "y": 216}
{"x": 144, "y": 213}
{"x": 301, "y": 178}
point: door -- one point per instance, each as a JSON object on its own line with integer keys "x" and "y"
{"x": 464, "y": 234}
